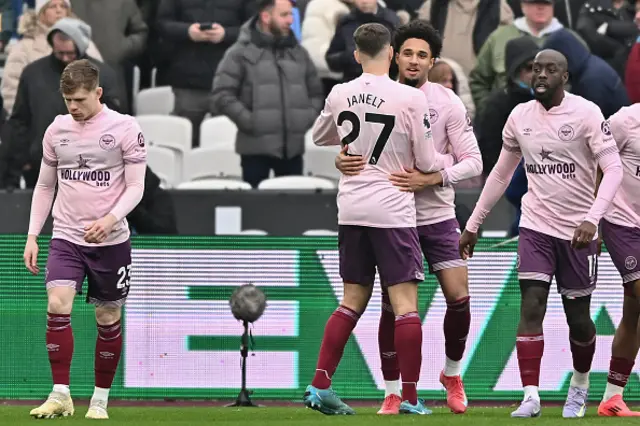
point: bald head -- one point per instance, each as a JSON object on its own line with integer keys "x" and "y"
{"x": 550, "y": 56}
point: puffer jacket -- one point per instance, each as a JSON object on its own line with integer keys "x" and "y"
{"x": 270, "y": 89}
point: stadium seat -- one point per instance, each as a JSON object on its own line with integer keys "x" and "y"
{"x": 202, "y": 163}
{"x": 218, "y": 132}
{"x": 320, "y": 161}
{"x": 253, "y": 232}
{"x": 320, "y": 233}
{"x": 135, "y": 89}
{"x": 308, "y": 139}
{"x": 215, "y": 184}
{"x": 296, "y": 182}
{"x": 167, "y": 130}
{"x": 156, "y": 100}
{"x": 164, "y": 163}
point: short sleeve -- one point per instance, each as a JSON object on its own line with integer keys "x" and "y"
{"x": 599, "y": 135}
{"x": 49, "y": 156}
{"x": 618, "y": 129}
{"x": 509, "y": 140}
{"x": 134, "y": 149}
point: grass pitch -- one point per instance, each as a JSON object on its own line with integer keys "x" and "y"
{"x": 294, "y": 416}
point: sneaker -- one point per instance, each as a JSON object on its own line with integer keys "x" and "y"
{"x": 326, "y": 401}
{"x": 576, "y": 404}
{"x": 456, "y": 397}
{"x": 97, "y": 410}
{"x": 57, "y": 405}
{"x": 615, "y": 407}
{"x": 528, "y": 408}
{"x": 408, "y": 408}
{"x": 390, "y": 405}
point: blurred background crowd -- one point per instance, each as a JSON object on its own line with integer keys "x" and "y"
{"x": 230, "y": 88}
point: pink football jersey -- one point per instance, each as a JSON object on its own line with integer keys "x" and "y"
{"x": 388, "y": 124}
{"x": 90, "y": 158}
{"x": 625, "y": 127}
{"x": 561, "y": 149}
{"x": 452, "y": 132}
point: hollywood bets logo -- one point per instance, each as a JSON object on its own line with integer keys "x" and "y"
{"x": 83, "y": 173}
{"x": 548, "y": 165}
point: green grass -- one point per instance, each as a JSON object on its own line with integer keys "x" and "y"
{"x": 271, "y": 416}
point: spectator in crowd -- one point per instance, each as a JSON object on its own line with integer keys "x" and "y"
{"x": 198, "y": 33}
{"x": 119, "y": 32}
{"x": 267, "y": 85}
{"x": 340, "y": 54}
{"x": 155, "y": 214}
{"x": 519, "y": 55}
{"x": 489, "y": 72}
{"x": 38, "y": 100}
{"x": 318, "y": 27}
{"x": 448, "y": 73}
{"x": 589, "y": 75}
{"x": 33, "y": 26}
{"x": 565, "y": 10}
{"x": 407, "y": 10}
{"x": 7, "y": 25}
{"x": 609, "y": 29}
{"x": 465, "y": 25}
{"x": 632, "y": 77}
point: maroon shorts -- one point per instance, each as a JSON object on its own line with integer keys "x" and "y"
{"x": 394, "y": 251}
{"x": 541, "y": 257}
{"x": 623, "y": 245}
{"x": 439, "y": 242}
{"x": 107, "y": 268}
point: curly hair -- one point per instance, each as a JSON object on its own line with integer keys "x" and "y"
{"x": 422, "y": 30}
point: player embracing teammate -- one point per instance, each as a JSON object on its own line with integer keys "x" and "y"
{"x": 97, "y": 159}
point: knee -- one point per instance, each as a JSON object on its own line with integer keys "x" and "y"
{"x": 107, "y": 316}
{"x": 581, "y": 327}
{"x": 59, "y": 304}
{"x": 404, "y": 298}
{"x": 532, "y": 312}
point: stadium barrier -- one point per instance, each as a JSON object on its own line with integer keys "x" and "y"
{"x": 181, "y": 341}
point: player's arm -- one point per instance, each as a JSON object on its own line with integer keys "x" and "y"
{"x": 427, "y": 158}
{"x": 494, "y": 188}
{"x": 325, "y": 131}
{"x": 464, "y": 145}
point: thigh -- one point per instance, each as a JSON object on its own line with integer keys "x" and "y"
{"x": 536, "y": 256}
{"x": 109, "y": 273}
{"x": 623, "y": 245}
{"x": 577, "y": 270}
{"x": 65, "y": 265}
{"x": 357, "y": 259}
{"x": 255, "y": 169}
{"x": 439, "y": 243}
{"x": 397, "y": 255}
{"x": 288, "y": 166}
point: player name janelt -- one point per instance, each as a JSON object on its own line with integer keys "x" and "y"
{"x": 365, "y": 98}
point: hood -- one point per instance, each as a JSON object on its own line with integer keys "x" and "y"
{"x": 521, "y": 24}
{"x": 250, "y": 34}
{"x": 75, "y": 29}
{"x": 518, "y": 52}
{"x": 566, "y": 43}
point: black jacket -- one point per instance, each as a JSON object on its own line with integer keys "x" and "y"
{"x": 339, "y": 56}
{"x": 38, "y": 102}
{"x": 192, "y": 65}
{"x": 621, "y": 32}
{"x": 155, "y": 214}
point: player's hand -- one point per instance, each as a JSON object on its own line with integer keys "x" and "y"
{"x": 99, "y": 230}
{"x": 31, "y": 255}
{"x": 467, "y": 244}
{"x": 413, "y": 181}
{"x": 583, "y": 235}
{"x": 349, "y": 165}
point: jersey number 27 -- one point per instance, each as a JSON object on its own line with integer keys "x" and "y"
{"x": 388, "y": 121}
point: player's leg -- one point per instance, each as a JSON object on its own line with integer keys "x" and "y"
{"x": 388, "y": 356}
{"x": 623, "y": 244}
{"x": 576, "y": 277}
{"x": 399, "y": 260}
{"x": 439, "y": 244}
{"x": 357, "y": 269}
{"x": 64, "y": 277}
{"x": 536, "y": 264}
{"x": 109, "y": 279}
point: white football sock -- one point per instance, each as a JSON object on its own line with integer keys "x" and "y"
{"x": 64, "y": 389}
{"x": 452, "y": 368}
{"x": 392, "y": 387}
{"x": 531, "y": 392}
{"x": 580, "y": 380}
{"x": 612, "y": 390}
{"x": 100, "y": 394}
